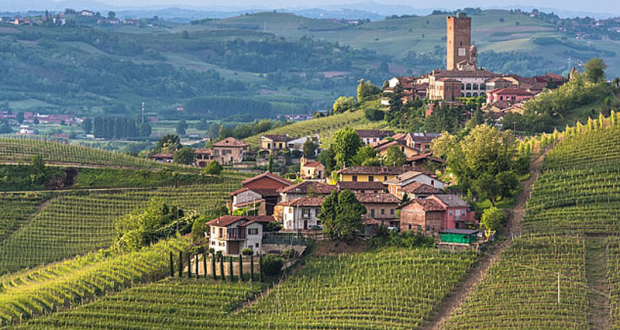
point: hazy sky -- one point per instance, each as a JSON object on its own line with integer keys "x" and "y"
{"x": 572, "y": 5}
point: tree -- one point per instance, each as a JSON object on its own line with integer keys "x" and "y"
{"x": 310, "y": 148}
{"x": 169, "y": 143}
{"x": 181, "y": 127}
{"x": 395, "y": 156}
{"x": 341, "y": 214}
{"x": 185, "y": 156}
{"x": 111, "y": 15}
{"x": 343, "y": 104}
{"x": 87, "y": 125}
{"x": 213, "y": 168}
{"x": 20, "y": 117}
{"x": 36, "y": 121}
{"x": 270, "y": 164}
{"x": 144, "y": 129}
{"x": 365, "y": 89}
{"x": 327, "y": 157}
{"x": 492, "y": 218}
{"x": 486, "y": 187}
{"x": 374, "y": 114}
{"x": 202, "y": 124}
{"x": 363, "y": 154}
{"x": 5, "y": 128}
{"x": 507, "y": 183}
{"x": 185, "y": 34}
{"x": 37, "y": 164}
{"x": 345, "y": 142}
{"x": 595, "y": 70}
{"x": 384, "y": 67}
{"x": 214, "y": 131}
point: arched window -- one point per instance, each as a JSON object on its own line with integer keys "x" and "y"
{"x": 468, "y": 87}
{"x": 462, "y": 94}
{"x": 483, "y": 94}
{"x": 475, "y": 87}
{"x": 468, "y": 94}
{"x": 483, "y": 87}
{"x": 475, "y": 94}
{"x": 462, "y": 86}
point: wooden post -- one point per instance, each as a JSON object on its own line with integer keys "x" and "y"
{"x": 189, "y": 265}
{"x": 197, "y": 267}
{"x": 260, "y": 267}
{"x": 180, "y": 264}
{"x": 213, "y": 269}
{"x": 252, "y": 268}
{"x": 171, "y": 265}
{"x": 241, "y": 267}
{"x": 204, "y": 263}
{"x": 558, "y": 288}
{"x": 230, "y": 268}
{"x": 222, "y": 268}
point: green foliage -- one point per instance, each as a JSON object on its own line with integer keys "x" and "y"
{"x": 169, "y": 143}
{"x": 407, "y": 239}
{"x": 366, "y": 89}
{"x": 492, "y": 218}
{"x": 270, "y": 163}
{"x": 87, "y": 125}
{"x": 181, "y": 127}
{"x": 343, "y": 104}
{"x": 595, "y": 70}
{"x": 273, "y": 226}
{"x": 341, "y": 214}
{"x": 374, "y": 114}
{"x": 445, "y": 118}
{"x": 272, "y": 265}
{"x": 395, "y": 156}
{"x": 310, "y": 148}
{"x": 327, "y": 157}
{"x": 184, "y": 156}
{"x": 213, "y": 168}
{"x": 363, "y": 154}
{"x": 247, "y": 251}
{"x": 345, "y": 143}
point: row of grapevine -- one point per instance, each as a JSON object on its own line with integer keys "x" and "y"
{"x": 389, "y": 289}
{"x": 17, "y": 210}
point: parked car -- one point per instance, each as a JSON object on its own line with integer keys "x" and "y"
{"x": 316, "y": 227}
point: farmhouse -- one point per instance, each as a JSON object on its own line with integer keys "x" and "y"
{"x": 369, "y": 173}
{"x": 436, "y": 213}
{"x": 231, "y": 234}
{"x": 381, "y": 207}
{"x": 305, "y": 189}
{"x": 397, "y": 183}
{"x": 162, "y": 158}
{"x": 301, "y": 213}
{"x": 260, "y": 193}
{"x": 311, "y": 170}
{"x": 382, "y": 147}
{"x": 370, "y": 136}
{"x": 229, "y": 151}
{"x": 274, "y": 142}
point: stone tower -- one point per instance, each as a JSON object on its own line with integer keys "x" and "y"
{"x": 458, "y": 41}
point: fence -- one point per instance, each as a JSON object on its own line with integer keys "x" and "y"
{"x": 284, "y": 239}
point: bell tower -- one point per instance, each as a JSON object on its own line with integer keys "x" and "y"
{"x": 458, "y": 40}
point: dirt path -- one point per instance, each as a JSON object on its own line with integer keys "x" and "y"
{"x": 596, "y": 277}
{"x": 452, "y": 302}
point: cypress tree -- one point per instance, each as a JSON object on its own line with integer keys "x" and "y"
{"x": 240, "y": 267}
{"x": 197, "y": 267}
{"x": 230, "y": 268}
{"x": 171, "y": 265}
{"x": 222, "y": 269}
{"x": 189, "y": 265}
{"x": 252, "y": 268}
{"x": 180, "y": 264}
{"x": 204, "y": 263}
{"x": 213, "y": 270}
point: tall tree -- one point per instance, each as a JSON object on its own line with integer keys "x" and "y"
{"x": 341, "y": 214}
{"x": 310, "y": 148}
{"x": 181, "y": 127}
{"x": 595, "y": 70}
{"x": 169, "y": 143}
{"x": 363, "y": 154}
{"x": 87, "y": 125}
{"x": 395, "y": 156}
{"x": 185, "y": 156}
{"x": 366, "y": 89}
{"x": 346, "y": 142}
{"x": 343, "y": 104}
{"x": 20, "y": 117}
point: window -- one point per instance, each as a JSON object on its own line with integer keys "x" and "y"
{"x": 448, "y": 88}
{"x": 257, "y": 245}
{"x": 214, "y": 230}
{"x": 501, "y": 98}
{"x": 468, "y": 94}
{"x": 221, "y": 232}
{"x": 468, "y": 87}
{"x": 382, "y": 211}
{"x": 391, "y": 211}
{"x": 385, "y": 178}
{"x": 371, "y": 178}
{"x": 433, "y": 183}
{"x": 305, "y": 212}
{"x": 354, "y": 178}
{"x": 409, "y": 227}
{"x": 222, "y": 244}
{"x": 462, "y": 94}
{"x": 268, "y": 145}
{"x": 475, "y": 87}
{"x": 213, "y": 243}
{"x": 483, "y": 87}
{"x": 252, "y": 231}
{"x": 372, "y": 213}
{"x": 290, "y": 210}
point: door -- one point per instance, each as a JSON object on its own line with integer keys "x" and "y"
{"x": 305, "y": 224}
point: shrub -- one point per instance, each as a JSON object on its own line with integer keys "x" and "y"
{"x": 247, "y": 252}
{"x": 289, "y": 253}
{"x": 374, "y": 114}
{"x": 272, "y": 265}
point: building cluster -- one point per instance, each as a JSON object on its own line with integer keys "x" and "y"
{"x": 462, "y": 78}
{"x": 70, "y": 16}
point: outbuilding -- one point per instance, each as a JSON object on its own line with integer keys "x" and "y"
{"x": 459, "y": 236}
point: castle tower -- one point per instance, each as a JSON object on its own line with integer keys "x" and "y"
{"x": 458, "y": 40}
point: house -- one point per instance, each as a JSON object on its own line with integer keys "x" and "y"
{"x": 373, "y": 187}
{"x": 231, "y": 234}
{"x": 459, "y": 236}
{"x": 87, "y": 13}
{"x": 422, "y": 215}
{"x": 260, "y": 193}
{"x": 369, "y": 136}
{"x": 203, "y": 157}
{"x": 417, "y": 190}
{"x": 457, "y": 212}
{"x": 298, "y": 144}
{"x": 305, "y": 189}
{"x": 369, "y": 173}
{"x": 382, "y": 147}
{"x": 274, "y": 142}
{"x": 301, "y": 213}
{"x": 311, "y": 170}
{"x": 26, "y": 130}
{"x": 513, "y": 95}
{"x": 421, "y": 141}
{"x": 396, "y": 183}
{"x": 381, "y": 207}
{"x": 422, "y": 159}
{"x": 229, "y": 151}
{"x": 162, "y": 158}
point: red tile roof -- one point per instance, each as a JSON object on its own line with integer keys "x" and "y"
{"x": 304, "y": 201}
{"x": 420, "y": 188}
{"x": 342, "y": 185}
{"x": 230, "y": 142}
{"x": 262, "y": 192}
{"x": 314, "y": 164}
{"x": 203, "y": 151}
{"x": 227, "y": 220}
{"x": 428, "y": 205}
{"x": 268, "y": 175}
{"x": 380, "y": 198}
{"x": 162, "y": 155}
{"x": 511, "y": 91}
{"x": 277, "y": 137}
{"x": 302, "y": 188}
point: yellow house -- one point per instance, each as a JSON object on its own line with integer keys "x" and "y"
{"x": 274, "y": 142}
{"x": 370, "y": 173}
{"x": 311, "y": 170}
{"x": 382, "y": 148}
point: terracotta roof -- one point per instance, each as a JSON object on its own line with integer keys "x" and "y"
{"x": 314, "y": 164}
{"x": 392, "y": 143}
{"x": 463, "y": 74}
{"x": 420, "y": 188}
{"x": 262, "y": 192}
{"x": 304, "y": 201}
{"x": 404, "y": 176}
{"x": 380, "y": 198}
{"x": 162, "y": 155}
{"x": 268, "y": 175}
{"x": 399, "y": 136}
{"x": 230, "y": 142}
{"x": 377, "y": 170}
{"x": 425, "y": 156}
{"x": 277, "y": 137}
{"x": 203, "y": 151}
{"x": 227, "y": 220}
{"x": 423, "y": 137}
{"x": 342, "y": 185}
{"x": 451, "y": 200}
{"x": 366, "y": 133}
{"x": 511, "y": 91}
{"x": 429, "y": 205}
{"x": 302, "y": 188}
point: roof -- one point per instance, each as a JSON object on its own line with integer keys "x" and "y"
{"x": 277, "y": 137}
{"x": 385, "y": 146}
{"x": 424, "y": 137}
{"x": 511, "y": 91}
{"x": 451, "y": 200}
{"x": 162, "y": 155}
{"x": 366, "y": 133}
{"x": 302, "y": 188}
{"x": 230, "y": 142}
{"x": 313, "y": 164}
{"x": 378, "y": 170}
{"x": 203, "y": 151}
{"x": 425, "y": 156}
{"x": 262, "y": 192}
{"x": 429, "y": 205}
{"x": 459, "y": 231}
{"x": 361, "y": 185}
{"x": 267, "y": 175}
{"x": 380, "y": 198}
{"x": 420, "y": 188}
{"x": 463, "y": 74}
{"x": 227, "y": 220}
{"x": 404, "y": 176}
{"x": 304, "y": 201}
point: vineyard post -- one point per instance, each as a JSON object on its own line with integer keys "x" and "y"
{"x": 213, "y": 270}
{"x": 252, "y": 268}
{"x": 230, "y": 268}
{"x": 240, "y": 267}
{"x": 558, "y": 288}
{"x": 260, "y": 268}
{"x": 180, "y": 264}
{"x": 171, "y": 265}
{"x": 189, "y": 265}
{"x": 204, "y": 263}
{"x": 197, "y": 266}
{"x": 222, "y": 269}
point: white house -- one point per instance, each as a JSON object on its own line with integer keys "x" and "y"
{"x": 231, "y": 234}
{"x": 398, "y": 182}
{"x": 301, "y": 213}
{"x": 26, "y": 130}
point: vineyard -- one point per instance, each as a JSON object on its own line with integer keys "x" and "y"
{"x": 16, "y": 150}
{"x": 78, "y": 222}
{"x": 17, "y": 210}
{"x": 392, "y": 289}
{"x": 325, "y": 127}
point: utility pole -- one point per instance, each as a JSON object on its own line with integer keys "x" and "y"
{"x": 142, "y": 112}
